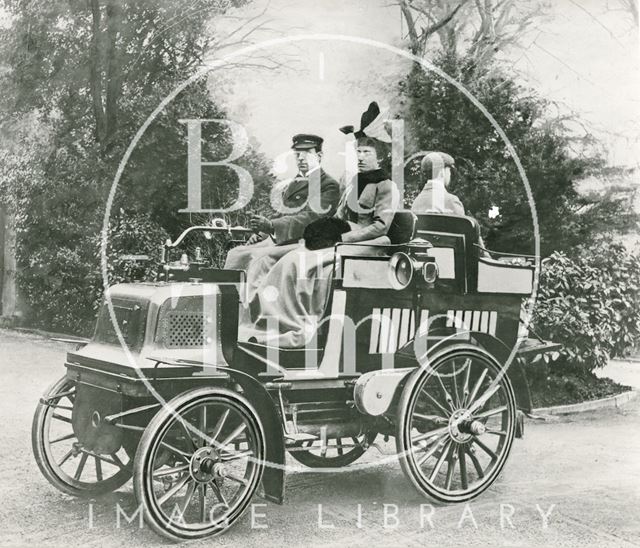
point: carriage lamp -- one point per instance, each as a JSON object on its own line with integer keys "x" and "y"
{"x": 430, "y": 272}
{"x": 402, "y": 268}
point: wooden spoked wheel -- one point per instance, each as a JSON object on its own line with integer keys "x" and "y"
{"x": 199, "y": 462}
{"x": 456, "y": 426}
{"x": 335, "y": 453}
{"x": 62, "y": 458}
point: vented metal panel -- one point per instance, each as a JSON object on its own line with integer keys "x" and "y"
{"x": 185, "y": 330}
{"x": 181, "y": 323}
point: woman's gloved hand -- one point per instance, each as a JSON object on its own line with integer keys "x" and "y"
{"x": 325, "y": 232}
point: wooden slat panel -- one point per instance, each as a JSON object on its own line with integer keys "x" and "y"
{"x": 404, "y": 327}
{"x": 475, "y": 324}
{"x": 466, "y": 320}
{"x": 493, "y": 320}
{"x": 393, "y": 332}
{"x": 384, "y": 330}
{"x": 375, "y": 331}
{"x": 484, "y": 322}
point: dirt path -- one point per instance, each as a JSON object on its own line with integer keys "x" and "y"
{"x": 584, "y": 472}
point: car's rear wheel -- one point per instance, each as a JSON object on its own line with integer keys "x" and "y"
{"x": 335, "y": 453}
{"x": 62, "y": 458}
{"x": 456, "y": 426}
{"x": 198, "y": 464}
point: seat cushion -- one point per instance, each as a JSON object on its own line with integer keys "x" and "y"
{"x": 402, "y": 228}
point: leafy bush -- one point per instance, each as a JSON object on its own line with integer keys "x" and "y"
{"x": 63, "y": 284}
{"x": 590, "y": 302}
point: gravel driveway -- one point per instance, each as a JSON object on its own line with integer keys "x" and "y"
{"x": 573, "y": 482}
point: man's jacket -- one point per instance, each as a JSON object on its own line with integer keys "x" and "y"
{"x": 318, "y": 191}
{"x": 435, "y": 198}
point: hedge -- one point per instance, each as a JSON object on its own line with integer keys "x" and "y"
{"x": 590, "y": 302}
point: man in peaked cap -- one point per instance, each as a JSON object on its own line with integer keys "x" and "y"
{"x": 310, "y": 195}
{"x": 435, "y": 173}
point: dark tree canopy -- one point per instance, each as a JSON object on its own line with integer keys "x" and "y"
{"x": 439, "y": 117}
{"x": 89, "y": 73}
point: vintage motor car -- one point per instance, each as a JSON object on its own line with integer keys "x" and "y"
{"x": 164, "y": 392}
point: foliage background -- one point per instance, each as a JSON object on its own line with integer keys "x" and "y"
{"x": 590, "y": 302}
{"x": 81, "y": 78}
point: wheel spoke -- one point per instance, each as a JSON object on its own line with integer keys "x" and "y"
{"x": 236, "y": 432}
{"x": 324, "y": 445}
{"x": 476, "y": 463}
{"x": 61, "y": 418}
{"x": 176, "y": 451}
{"x": 491, "y": 412}
{"x": 118, "y": 462}
{"x": 203, "y": 502}
{"x": 231, "y": 456}
{"x": 428, "y": 454}
{"x": 430, "y": 434}
{"x": 191, "y": 446}
{"x": 100, "y": 457}
{"x": 203, "y": 420}
{"x": 98, "y": 468}
{"x": 441, "y": 459}
{"x": 62, "y": 438}
{"x": 219, "y": 426}
{"x": 476, "y": 388}
{"x": 465, "y": 389}
{"x": 243, "y": 481}
{"x": 474, "y": 406}
{"x": 486, "y": 449}
{"x": 455, "y": 383}
{"x": 447, "y": 396}
{"x": 66, "y": 458}
{"x": 60, "y": 395}
{"x": 191, "y": 488}
{"x": 451, "y": 466}
{"x": 169, "y": 471}
{"x": 218, "y": 493}
{"x": 500, "y": 433}
{"x": 179, "y": 485}
{"x": 431, "y": 418}
{"x": 447, "y": 413}
{"x": 463, "y": 467}
{"x": 80, "y": 468}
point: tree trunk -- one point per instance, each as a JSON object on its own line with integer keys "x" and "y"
{"x": 9, "y": 265}
{"x": 113, "y": 70}
{"x": 95, "y": 71}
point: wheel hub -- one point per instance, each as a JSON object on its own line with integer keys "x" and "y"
{"x": 462, "y": 426}
{"x": 457, "y": 426}
{"x": 205, "y": 465}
